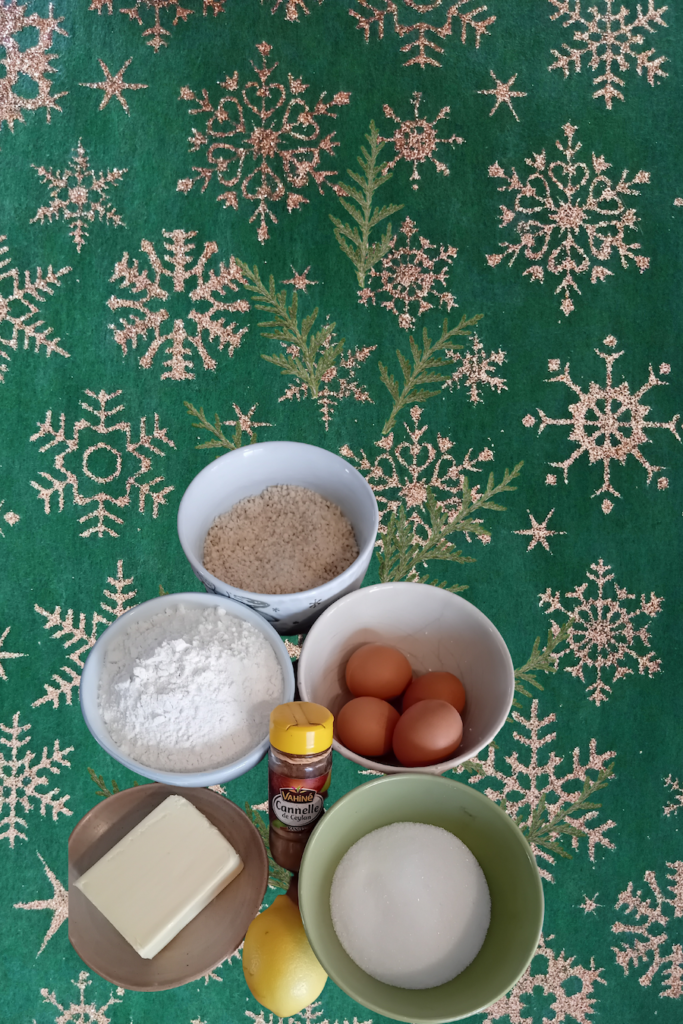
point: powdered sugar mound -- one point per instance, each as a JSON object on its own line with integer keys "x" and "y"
{"x": 190, "y": 689}
{"x": 410, "y": 905}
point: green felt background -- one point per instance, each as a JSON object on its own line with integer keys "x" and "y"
{"x": 47, "y": 564}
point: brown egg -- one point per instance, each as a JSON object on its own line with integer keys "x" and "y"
{"x": 428, "y": 732}
{"x": 436, "y": 686}
{"x": 366, "y": 726}
{"x": 377, "y": 671}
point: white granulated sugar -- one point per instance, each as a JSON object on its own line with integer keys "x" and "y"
{"x": 410, "y": 905}
{"x": 189, "y": 689}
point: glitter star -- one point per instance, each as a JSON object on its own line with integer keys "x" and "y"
{"x": 113, "y": 85}
{"x": 300, "y": 281}
{"x": 59, "y": 905}
{"x": 503, "y": 94}
{"x": 589, "y": 905}
{"x": 539, "y": 532}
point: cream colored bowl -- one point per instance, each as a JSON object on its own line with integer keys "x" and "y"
{"x": 437, "y": 631}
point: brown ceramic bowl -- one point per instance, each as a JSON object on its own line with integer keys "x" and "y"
{"x": 207, "y": 940}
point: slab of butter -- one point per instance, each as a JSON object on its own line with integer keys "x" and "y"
{"x": 161, "y": 875}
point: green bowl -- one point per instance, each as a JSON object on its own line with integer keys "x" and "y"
{"x": 503, "y": 854}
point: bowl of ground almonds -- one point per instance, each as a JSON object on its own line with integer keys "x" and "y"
{"x": 283, "y": 527}
{"x": 180, "y": 688}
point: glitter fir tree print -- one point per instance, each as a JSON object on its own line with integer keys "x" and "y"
{"x": 548, "y": 799}
{"x": 424, "y": 26}
{"x": 609, "y": 634}
{"x": 78, "y": 195}
{"x": 264, "y": 142}
{"x": 146, "y": 320}
{"x": 608, "y": 423}
{"x": 570, "y": 218}
{"x": 102, "y": 475}
{"x": 78, "y": 634}
{"x": 24, "y": 779}
{"x": 613, "y": 38}
{"x": 19, "y": 293}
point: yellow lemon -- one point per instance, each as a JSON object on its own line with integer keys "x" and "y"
{"x": 280, "y": 967}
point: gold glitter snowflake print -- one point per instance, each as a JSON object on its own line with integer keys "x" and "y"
{"x": 410, "y": 275}
{"x": 149, "y": 320}
{"x": 19, "y": 294}
{"x": 609, "y": 36}
{"x": 604, "y": 643}
{"x": 290, "y": 8}
{"x": 142, "y": 11}
{"x": 424, "y": 25}
{"x": 476, "y": 369}
{"x": 608, "y": 423}
{"x": 22, "y": 61}
{"x": 567, "y": 986}
{"x": 102, "y": 465}
{"x": 82, "y": 1012}
{"x": 78, "y": 195}
{"x": 647, "y": 932}
{"x": 570, "y": 217}
{"x": 417, "y": 140}
{"x": 114, "y": 85}
{"x": 263, "y": 142}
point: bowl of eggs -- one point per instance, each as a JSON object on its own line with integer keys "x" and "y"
{"x": 418, "y": 679}
{"x": 420, "y": 898}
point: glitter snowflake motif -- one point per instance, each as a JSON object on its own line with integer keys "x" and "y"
{"x": 156, "y": 35}
{"x": 78, "y": 195}
{"x": 82, "y": 1012}
{"x": 603, "y": 641}
{"x": 613, "y": 42}
{"x": 607, "y": 422}
{"x": 677, "y": 795}
{"x": 561, "y": 972}
{"x": 525, "y": 783}
{"x": 583, "y": 211}
{"x": 337, "y": 383}
{"x": 404, "y": 470}
{"x": 18, "y": 308}
{"x": 416, "y": 141}
{"x": 648, "y": 936}
{"x": 6, "y": 655}
{"x": 262, "y": 141}
{"x": 409, "y": 276}
{"x": 78, "y": 637}
{"x": 310, "y": 1014}
{"x": 290, "y": 8}
{"x": 21, "y": 780}
{"x": 22, "y": 61}
{"x": 147, "y": 301}
{"x": 411, "y": 23}
{"x": 58, "y": 904}
{"x": 119, "y": 463}
{"x": 475, "y": 370}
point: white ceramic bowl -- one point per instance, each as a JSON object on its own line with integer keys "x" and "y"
{"x": 248, "y": 471}
{"x": 92, "y": 672}
{"x": 437, "y": 631}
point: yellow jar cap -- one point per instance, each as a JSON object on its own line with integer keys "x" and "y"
{"x": 301, "y": 727}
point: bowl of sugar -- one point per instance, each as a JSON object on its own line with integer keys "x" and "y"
{"x": 283, "y": 527}
{"x": 180, "y": 688}
{"x": 420, "y": 898}
{"x": 436, "y": 631}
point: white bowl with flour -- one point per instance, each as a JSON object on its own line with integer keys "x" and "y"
{"x": 180, "y": 688}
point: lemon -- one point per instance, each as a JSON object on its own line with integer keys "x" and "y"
{"x": 280, "y": 967}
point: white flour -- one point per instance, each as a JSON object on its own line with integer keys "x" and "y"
{"x": 189, "y": 689}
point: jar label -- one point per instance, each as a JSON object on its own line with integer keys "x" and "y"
{"x": 296, "y": 804}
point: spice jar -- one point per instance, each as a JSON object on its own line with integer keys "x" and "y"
{"x": 299, "y": 769}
